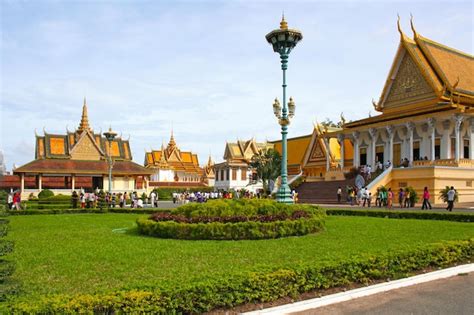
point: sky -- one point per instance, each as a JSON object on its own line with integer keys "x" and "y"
{"x": 201, "y": 68}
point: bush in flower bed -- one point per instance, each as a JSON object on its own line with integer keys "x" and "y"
{"x": 234, "y": 220}
{"x": 253, "y": 287}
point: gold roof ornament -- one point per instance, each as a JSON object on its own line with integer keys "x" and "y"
{"x": 403, "y": 37}
{"x": 343, "y": 119}
{"x": 84, "y": 124}
{"x": 455, "y": 85}
{"x": 283, "y": 23}
{"x": 415, "y": 34}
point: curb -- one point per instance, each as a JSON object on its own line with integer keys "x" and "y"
{"x": 366, "y": 291}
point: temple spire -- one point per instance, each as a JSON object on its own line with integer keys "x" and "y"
{"x": 172, "y": 143}
{"x": 84, "y": 124}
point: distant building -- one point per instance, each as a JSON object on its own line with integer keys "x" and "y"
{"x": 172, "y": 167}
{"x": 67, "y": 162}
{"x": 235, "y": 172}
{"x": 3, "y": 169}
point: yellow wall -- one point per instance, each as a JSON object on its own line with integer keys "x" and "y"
{"x": 435, "y": 178}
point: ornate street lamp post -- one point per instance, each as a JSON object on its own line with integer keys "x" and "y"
{"x": 283, "y": 41}
{"x": 110, "y": 136}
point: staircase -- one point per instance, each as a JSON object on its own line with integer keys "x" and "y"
{"x": 323, "y": 192}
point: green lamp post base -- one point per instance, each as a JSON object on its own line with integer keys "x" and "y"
{"x": 283, "y": 194}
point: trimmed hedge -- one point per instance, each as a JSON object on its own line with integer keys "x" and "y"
{"x": 87, "y": 210}
{"x": 254, "y": 287}
{"x": 235, "y": 220}
{"x": 231, "y": 231}
{"x": 395, "y": 214}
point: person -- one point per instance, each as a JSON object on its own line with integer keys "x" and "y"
{"x": 339, "y": 194}
{"x": 377, "y": 197}
{"x": 451, "y": 196}
{"x": 82, "y": 199}
{"x": 383, "y": 198}
{"x": 74, "y": 199}
{"x": 369, "y": 199}
{"x": 10, "y": 201}
{"x": 369, "y": 171}
{"x": 295, "y": 197}
{"x": 426, "y": 199}
{"x": 401, "y": 196}
{"x": 139, "y": 203}
{"x": 389, "y": 198}
{"x": 17, "y": 201}
{"x": 352, "y": 196}
{"x": 153, "y": 197}
{"x": 114, "y": 200}
{"x": 121, "y": 199}
{"x": 365, "y": 196}
{"x": 91, "y": 201}
{"x": 407, "y": 199}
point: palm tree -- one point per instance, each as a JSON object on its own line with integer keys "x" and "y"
{"x": 267, "y": 164}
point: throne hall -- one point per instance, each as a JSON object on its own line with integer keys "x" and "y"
{"x": 425, "y": 129}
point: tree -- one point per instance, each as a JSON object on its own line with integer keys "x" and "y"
{"x": 267, "y": 164}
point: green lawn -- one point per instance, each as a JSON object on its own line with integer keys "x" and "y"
{"x": 85, "y": 253}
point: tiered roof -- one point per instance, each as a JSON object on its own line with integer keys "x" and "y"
{"x": 81, "y": 152}
{"x": 243, "y": 151}
{"x": 173, "y": 158}
{"x": 425, "y": 77}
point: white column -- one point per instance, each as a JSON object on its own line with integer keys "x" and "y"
{"x": 22, "y": 184}
{"x": 40, "y": 182}
{"x": 328, "y": 153}
{"x": 432, "y": 126}
{"x": 446, "y": 141}
{"x": 410, "y": 127}
{"x": 73, "y": 182}
{"x": 340, "y": 137}
{"x": 390, "y": 136}
{"x": 355, "y": 136}
{"x": 471, "y": 139}
{"x": 457, "y": 128}
{"x": 373, "y": 137}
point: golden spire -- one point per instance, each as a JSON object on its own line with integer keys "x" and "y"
{"x": 283, "y": 24}
{"x": 84, "y": 124}
{"x": 172, "y": 142}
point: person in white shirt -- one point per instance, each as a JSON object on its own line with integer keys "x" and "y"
{"x": 152, "y": 198}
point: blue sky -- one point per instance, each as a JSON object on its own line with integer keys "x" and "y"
{"x": 203, "y": 67}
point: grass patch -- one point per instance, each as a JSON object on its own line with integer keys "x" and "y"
{"x": 76, "y": 254}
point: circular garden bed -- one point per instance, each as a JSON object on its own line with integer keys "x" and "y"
{"x": 234, "y": 220}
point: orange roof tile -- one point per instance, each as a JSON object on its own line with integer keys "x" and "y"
{"x": 450, "y": 63}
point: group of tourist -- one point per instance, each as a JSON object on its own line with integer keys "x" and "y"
{"x": 111, "y": 200}
{"x": 385, "y": 197}
{"x": 190, "y": 196}
{"x": 14, "y": 201}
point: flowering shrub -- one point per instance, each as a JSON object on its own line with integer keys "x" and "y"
{"x": 234, "y": 220}
{"x": 164, "y": 216}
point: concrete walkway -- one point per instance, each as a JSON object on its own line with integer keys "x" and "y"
{"x": 314, "y": 306}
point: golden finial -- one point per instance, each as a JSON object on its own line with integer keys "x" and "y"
{"x": 343, "y": 119}
{"x": 283, "y": 24}
{"x": 84, "y": 124}
{"x": 415, "y": 34}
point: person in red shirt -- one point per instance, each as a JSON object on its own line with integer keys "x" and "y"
{"x": 426, "y": 199}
